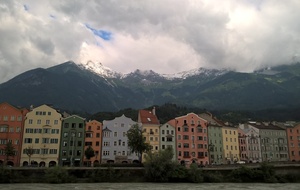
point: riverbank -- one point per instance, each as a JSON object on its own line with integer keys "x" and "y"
{"x": 238, "y": 173}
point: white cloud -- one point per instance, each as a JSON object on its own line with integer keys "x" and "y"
{"x": 167, "y": 36}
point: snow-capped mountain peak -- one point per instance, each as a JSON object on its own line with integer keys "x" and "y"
{"x": 99, "y": 69}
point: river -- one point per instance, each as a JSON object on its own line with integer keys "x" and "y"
{"x": 152, "y": 186}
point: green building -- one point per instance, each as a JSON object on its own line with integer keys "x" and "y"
{"x": 72, "y": 141}
{"x": 215, "y": 139}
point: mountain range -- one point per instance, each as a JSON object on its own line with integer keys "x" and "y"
{"x": 92, "y": 87}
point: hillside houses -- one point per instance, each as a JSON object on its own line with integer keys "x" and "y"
{"x": 44, "y": 137}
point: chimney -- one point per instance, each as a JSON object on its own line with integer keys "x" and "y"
{"x": 153, "y": 111}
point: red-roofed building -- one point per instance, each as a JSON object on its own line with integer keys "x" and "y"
{"x": 150, "y": 125}
{"x": 11, "y": 130}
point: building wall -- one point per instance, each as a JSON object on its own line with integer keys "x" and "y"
{"x": 115, "y": 145}
{"x": 274, "y": 145}
{"x": 42, "y": 131}
{"x": 192, "y": 139}
{"x": 230, "y": 145}
{"x": 293, "y": 137}
{"x": 168, "y": 138}
{"x": 93, "y": 138}
{"x": 11, "y": 129}
{"x": 215, "y": 144}
{"x": 72, "y": 141}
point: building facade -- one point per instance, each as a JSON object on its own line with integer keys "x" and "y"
{"x": 249, "y": 143}
{"x": 215, "y": 139}
{"x": 93, "y": 138}
{"x": 41, "y": 138}
{"x": 150, "y": 126}
{"x": 293, "y": 136}
{"x": 192, "y": 139}
{"x": 11, "y": 130}
{"x": 168, "y": 137}
{"x": 72, "y": 141}
{"x": 230, "y": 144}
{"x": 273, "y": 139}
{"x": 115, "y": 142}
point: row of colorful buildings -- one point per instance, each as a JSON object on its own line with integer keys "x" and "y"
{"x": 42, "y": 136}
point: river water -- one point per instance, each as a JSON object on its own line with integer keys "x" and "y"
{"x": 151, "y": 186}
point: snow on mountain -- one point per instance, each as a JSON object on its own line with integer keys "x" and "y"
{"x": 99, "y": 69}
{"x": 193, "y": 72}
{"x": 106, "y": 72}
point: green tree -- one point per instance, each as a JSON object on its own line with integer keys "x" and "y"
{"x": 160, "y": 167}
{"x": 9, "y": 151}
{"x": 89, "y": 153}
{"x": 136, "y": 141}
{"x": 29, "y": 151}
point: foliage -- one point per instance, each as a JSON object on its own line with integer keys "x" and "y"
{"x": 103, "y": 175}
{"x": 29, "y": 151}
{"x": 58, "y": 174}
{"x": 159, "y": 166}
{"x": 195, "y": 175}
{"x": 6, "y": 175}
{"x": 136, "y": 141}
{"x": 216, "y": 177}
{"x": 9, "y": 150}
{"x": 89, "y": 153}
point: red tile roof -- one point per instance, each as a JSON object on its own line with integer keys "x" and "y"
{"x": 147, "y": 117}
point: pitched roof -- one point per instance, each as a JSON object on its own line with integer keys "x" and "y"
{"x": 147, "y": 117}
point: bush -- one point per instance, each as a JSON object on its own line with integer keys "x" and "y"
{"x": 195, "y": 174}
{"x": 213, "y": 177}
{"x": 58, "y": 175}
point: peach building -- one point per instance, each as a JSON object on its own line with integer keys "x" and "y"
{"x": 293, "y": 137}
{"x": 11, "y": 130}
{"x": 93, "y": 138}
{"x": 192, "y": 139}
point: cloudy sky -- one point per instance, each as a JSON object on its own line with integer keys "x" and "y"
{"x": 167, "y": 36}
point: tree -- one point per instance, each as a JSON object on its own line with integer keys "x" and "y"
{"x": 136, "y": 141}
{"x": 89, "y": 153}
{"x": 29, "y": 151}
{"x": 9, "y": 151}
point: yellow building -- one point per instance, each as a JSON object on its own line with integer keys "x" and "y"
{"x": 230, "y": 144}
{"x": 41, "y": 138}
{"x": 150, "y": 126}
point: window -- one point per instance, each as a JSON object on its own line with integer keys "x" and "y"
{"x": 163, "y": 132}
{"x": 37, "y": 140}
{"x": 44, "y": 151}
{"x": 79, "y": 134}
{"x": 122, "y": 124}
{"x": 49, "y": 113}
{"x": 64, "y": 153}
{"x": 3, "y": 141}
{"x": 18, "y": 129}
{"x": 53, "y": 151}
{"x": 162, "y": 138}
{"x": 80, "y": 125}
{"x": 97, "y": 143}
{"x": 123, "y": 143}
{"x": 54, "y": 131}
{"x": 185, "y": 137}
{"x": 163, "y": 147}
{"x": 185, "y": 145}
{"x": 105, "y": 153}
{"x": 88, "y": 135}
{"x": 200, "y": 138}
{"x": 12, "y": 118}
{"x": 78, "y": 153}
{"x": 73, "y": 125}
{"x": 169, "y": 139}
{"x": 65, "y": 143}
{"x": 54, "y": 141}
{"x": 97, "y": 135}
{"x": 115, "y": 143}
{"x": 66, "y": 125}
{"x": 39, "y": 121}
{"x": 45, "y": 140}
{"x": 179, "y": 137}
{"x": 115, "y": 134}
{"x": 56, "y": 122}
{"x": 11, "y": 129}
{"x": 16, "y": 141}
{"x": 28, "y": 140}
{"x": 47, "y": 122}
{"x": 106, "y": 143}
{"x": 19, "y": 118}
{"x": 186, "y": 154}
{"x": 3, "y": 128}
{"x": 45, "y": 130}
{"x": 65, "y": 134}
{"x": 88, "y": 143}
{"x": 124, "y": 134}
{"x": 79, "y": 143}
{"x": 5, "y": 118}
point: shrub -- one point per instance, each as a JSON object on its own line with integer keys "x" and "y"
{"x": 58, "y": 175}
{"x": 195, "y": 174}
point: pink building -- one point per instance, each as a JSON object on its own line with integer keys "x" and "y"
{"x": 192, "y": 139}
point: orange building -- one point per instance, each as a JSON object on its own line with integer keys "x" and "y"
{"x": 293, "y": 137}
{"x": 11, "y": 130}
{"x": 93, "y": 138}
{"x": 192, "y": 139}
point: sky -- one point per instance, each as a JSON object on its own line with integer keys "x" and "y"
{"x": 166, "y": 36}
